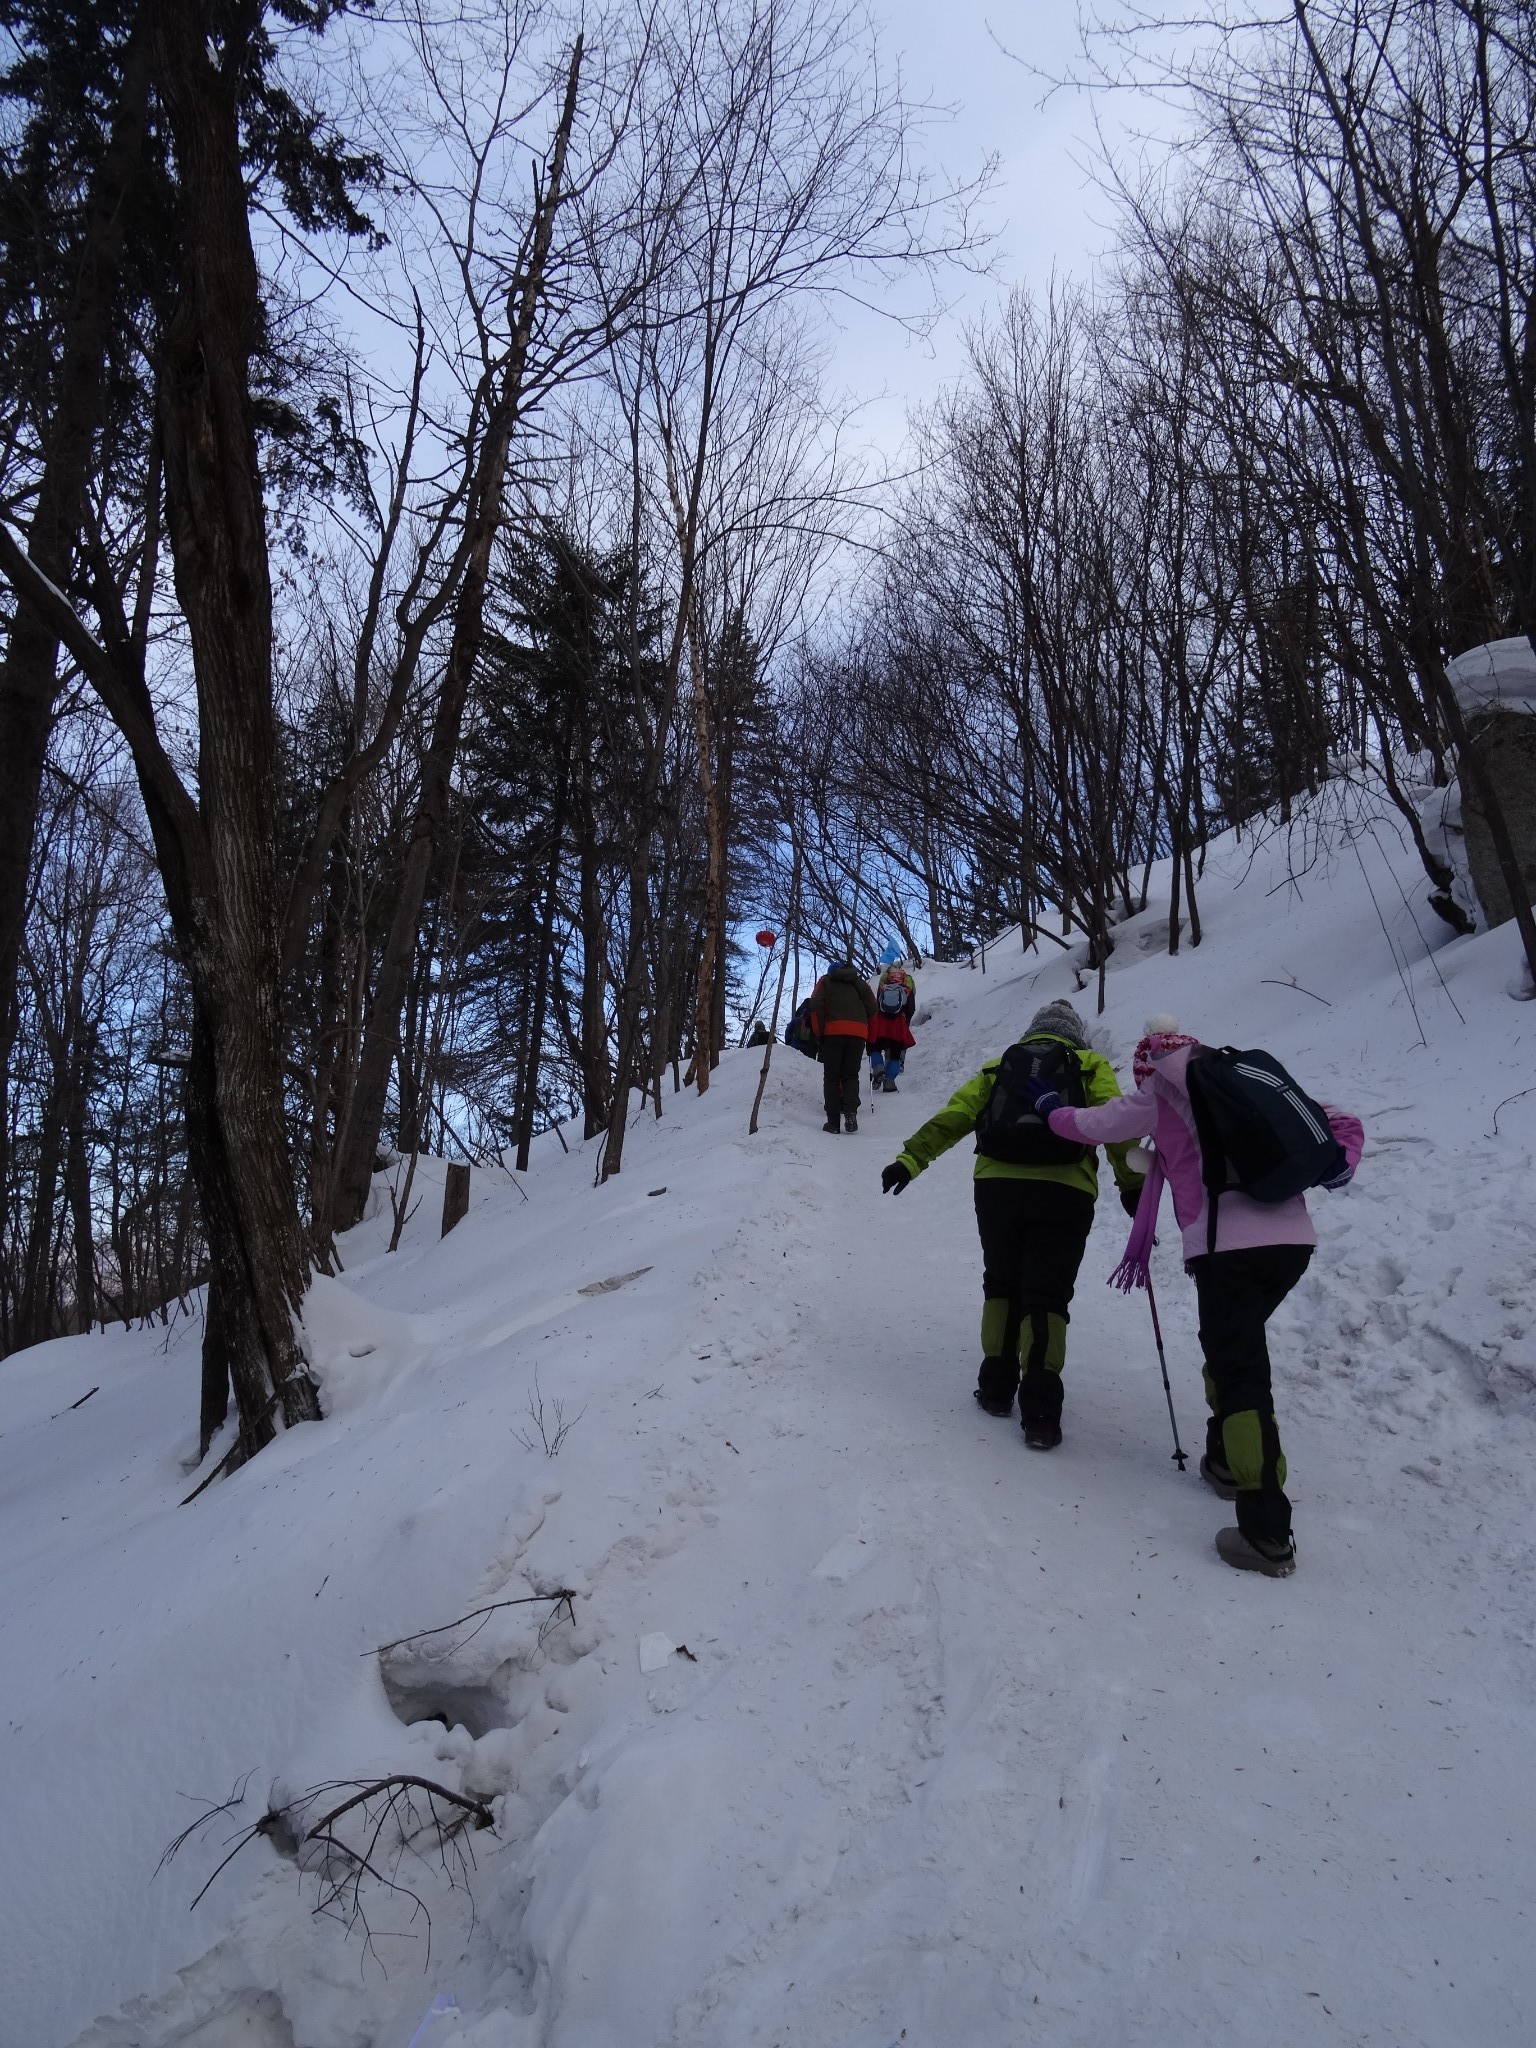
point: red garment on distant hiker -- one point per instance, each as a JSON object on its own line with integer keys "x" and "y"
{"x": 895, "y": 1030}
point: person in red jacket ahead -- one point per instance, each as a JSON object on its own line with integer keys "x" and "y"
{"x": 890, "y": 1030}
{"x": 1261, "y": 1250}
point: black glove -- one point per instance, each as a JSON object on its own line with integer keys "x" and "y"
{"x": 1130, "y": 1198}
{"x": 895, "y": 1177}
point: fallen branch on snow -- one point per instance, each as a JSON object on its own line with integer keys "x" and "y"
{"x": 395, "y": 1813}
{"x": 563, "y": 1597}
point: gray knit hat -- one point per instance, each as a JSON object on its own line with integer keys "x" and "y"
{"x": 1060, "y": 1020}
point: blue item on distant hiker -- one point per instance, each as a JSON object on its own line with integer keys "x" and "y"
{"x": 891, "y": 955}
{"x": 798, "y": 1031}
{"x": 892, "y": 998}
{"x": 1010, "y": 1129}
{"x": 1043, "y": 1098}
{"x": 1258, "y": 1131}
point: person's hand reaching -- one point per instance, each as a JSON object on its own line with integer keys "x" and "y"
{"x": 1041, "y": 1096}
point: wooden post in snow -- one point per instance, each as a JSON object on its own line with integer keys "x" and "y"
{"x": 455, "y": 1194}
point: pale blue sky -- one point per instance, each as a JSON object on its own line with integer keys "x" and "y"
{"x": 1045, "y": 210}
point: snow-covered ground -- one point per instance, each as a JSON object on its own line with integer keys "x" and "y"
{"x": 970, "y": 1746}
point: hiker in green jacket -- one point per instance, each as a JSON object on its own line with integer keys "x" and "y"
{"x": 1034, "y": 1209}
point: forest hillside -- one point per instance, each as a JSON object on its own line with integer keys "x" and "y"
{"x": 806, "y": 1705}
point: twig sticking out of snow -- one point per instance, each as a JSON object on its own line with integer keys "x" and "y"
{"x": 1269, "y": 981}
{"x": 401, "y": 1204}
{"x": 75, "y": 1404}
{"x": 554, "y": 1429}
{"x": 1429, "y": 951}
{"x": 1505, "y": 1104}
{"x": 1402, "y": 973}
{"x": 210, "y": 1812}
{"x": 564, "y": 1597}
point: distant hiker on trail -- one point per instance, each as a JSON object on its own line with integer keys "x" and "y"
{"x": 890, "y": 1030}
{"x": 1243, "y": 1254}
{"x": 1034, "y": 1208}
{"x": 842, "y": 1004}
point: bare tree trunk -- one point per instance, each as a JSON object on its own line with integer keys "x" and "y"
{"x": 233, "y": 1349}
{"x": 791, "y": 946}
{"x": 31, "y": 1325}
{"x": 77, "y": 1188}
{"x": 330, "y": 1025}
{"x": 596, "y": 1099}
{"x": 714, "y": 882}
{"x": 528, "y": 1080}
{"x": 1173, "y": 893}
{"x": 1189, "y": 891}
{"x": 217, "y": 525}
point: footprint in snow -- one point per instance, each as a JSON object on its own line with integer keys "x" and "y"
{"x": 848, "y": 1555}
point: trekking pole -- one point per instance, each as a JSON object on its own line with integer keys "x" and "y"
{"x": 1180, "y": 1455}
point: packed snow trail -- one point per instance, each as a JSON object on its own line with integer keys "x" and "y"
{"x": 971, "y": 1745}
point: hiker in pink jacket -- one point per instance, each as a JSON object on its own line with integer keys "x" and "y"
{"x": 1260, "y": 1251}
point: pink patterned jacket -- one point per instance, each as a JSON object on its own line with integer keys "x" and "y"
{"x": 1159, "y": 1109}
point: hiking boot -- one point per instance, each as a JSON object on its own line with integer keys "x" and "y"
{"x": 1217, "y": 1477}
{"x": 996, "y": 1384}
{"x": 1040, "y": 1408}
{"x": 850, "y": 1124}
{"x": 1276, "y": 1560}
{"x": 831, "y": 1125}
{"x": 888, "y": 1086}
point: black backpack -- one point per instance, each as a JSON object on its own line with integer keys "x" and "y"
{"x": 1258, "y": 1131}
{"x": 798, "y": 1032}
{"x": 1008, "y": 1129}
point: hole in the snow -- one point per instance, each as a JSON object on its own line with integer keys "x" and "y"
{"x": 421, "y": 1695}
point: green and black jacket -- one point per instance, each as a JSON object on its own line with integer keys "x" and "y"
{"x": 957, "y": 1120}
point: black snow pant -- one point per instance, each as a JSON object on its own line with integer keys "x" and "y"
{"x": 842, "y": 1061}
{"x": 1033, "y": 1236}
{"x": 1238, "y": 1292}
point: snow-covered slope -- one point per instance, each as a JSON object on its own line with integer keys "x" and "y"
{"x": 970, "y": 1746}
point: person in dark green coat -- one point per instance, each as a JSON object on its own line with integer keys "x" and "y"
{"x": 842, "y": 1003}
{"x": 1034, "y": 1223}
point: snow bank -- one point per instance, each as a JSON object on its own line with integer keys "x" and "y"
{"x": 967, "y": 1745}
{"x": 1498, "y": 676}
